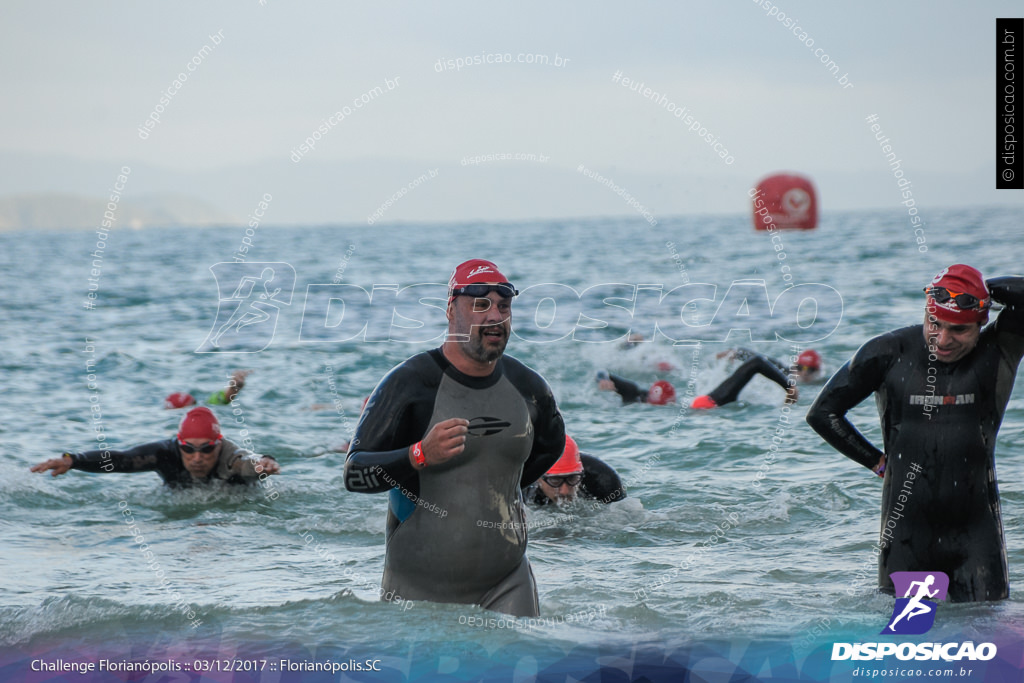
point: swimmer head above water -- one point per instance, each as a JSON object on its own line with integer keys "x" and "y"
{"x": 479, "y": 316}
{"x": 562, "y": 481}
{"x": 197, "y": 453}
{"x": 199, "y": 441}
{"x": 956, "y": 308}
{"x": 808, "y": 366}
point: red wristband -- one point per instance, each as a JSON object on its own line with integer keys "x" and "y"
{"x": 417, "y": 454}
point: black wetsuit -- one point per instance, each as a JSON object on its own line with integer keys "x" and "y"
{"x": 164, "y": 458}
{"x": 600, "y": 482}
{"x": 940, "y": 502}
{"x": 753, "y": 364}
{"x": 726, "y": 392}
{"x": 631, "y": 392}
{"x": 456, "y": 532}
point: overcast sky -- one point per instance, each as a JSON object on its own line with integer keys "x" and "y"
{"x": 80, "y": 78}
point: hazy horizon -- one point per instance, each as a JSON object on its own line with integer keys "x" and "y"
{"x": 268, "y": 76}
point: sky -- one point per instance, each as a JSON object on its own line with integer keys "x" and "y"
{"x": 80, "y": 79}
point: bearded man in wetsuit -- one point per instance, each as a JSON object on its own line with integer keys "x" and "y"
{"x": 452, "y": 434}
{"x": 941, "y": 390}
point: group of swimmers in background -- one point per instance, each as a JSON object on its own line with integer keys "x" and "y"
{"x": 575, "y": 474}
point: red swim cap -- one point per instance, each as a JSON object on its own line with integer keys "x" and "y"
{"x": 665, "y": 366}
{"x": 472, "y": 272}
{"x": 199, "y": 423}
{"x": 570, "y": 462}
{"x": 702, "y": 402}
{"x": 179, "y": 400}
{"x": 809, "y": 359}
{"x": 959, "y": 279}
{"x": 661, "y": 392}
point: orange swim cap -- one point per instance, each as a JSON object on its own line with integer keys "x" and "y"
{"x": 179, "y": 400}
{"x": 570, "y": 462}
{"x": 702, "y": 402}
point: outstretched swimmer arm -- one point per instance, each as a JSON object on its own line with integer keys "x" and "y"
{"x": 141, "y": 458}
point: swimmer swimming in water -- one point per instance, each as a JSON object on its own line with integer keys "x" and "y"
{"x": 660, "y": 393}
{"x": 452, "y": 434}
{"x": 198, "y": 453}
{"x": 806, "y": 369}
{"x": 217, "y": 398}
{"x": 576, "y": 474}
{"x": 941, "y": 389}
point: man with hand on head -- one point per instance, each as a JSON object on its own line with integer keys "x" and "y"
{"x": 941, "y": 390}
{"x": 452, "y": 434}
{"x": 197, "y": 454}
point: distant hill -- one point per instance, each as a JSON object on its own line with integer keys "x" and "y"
{"x": 48, "y": 191}
{"x": 57, "y": 211}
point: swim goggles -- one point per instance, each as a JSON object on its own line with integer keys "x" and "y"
{"x": 505, "y": 289}
{"x": 556, "y": 481}
{"x": 963, "y": 300}
{"x": 189, "y": 448}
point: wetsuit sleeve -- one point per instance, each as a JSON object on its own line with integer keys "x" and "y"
{"x": 729, "y": 390}
{"x": 600, "y": 481}
{"x": 854, "y": 382}
{"x": 1009, "y": 291}
{"x": 1009, "y": 331}
{"x": 773, "y": 370}
{"x": 631, "y": 392}
{"x": 142, "y": 458}
{"x": 549, "y": 432}
{"x": 743, "y": 355}
{"x": 242, "y": 463}
{"x": 395, "y": 417}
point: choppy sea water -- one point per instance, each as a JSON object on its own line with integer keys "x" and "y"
{"x": 701, "y": 552}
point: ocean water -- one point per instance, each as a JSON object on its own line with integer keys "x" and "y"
{"x": 701, "y": 552}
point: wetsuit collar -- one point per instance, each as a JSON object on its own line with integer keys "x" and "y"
{"x": 468, "y": 380}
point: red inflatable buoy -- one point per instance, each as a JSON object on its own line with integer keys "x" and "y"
{"x": 785, "y": 200}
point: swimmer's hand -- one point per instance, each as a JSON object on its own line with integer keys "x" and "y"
{"x": 879, "y": 469}
{"x": 268, "y": 465}
{"x": 59, "y": 465}
{"x": 444, "y": 441}
{"x": 235, "y": 384}
{"x": 792, "y": 394}
{"x": 239, "y": 377}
